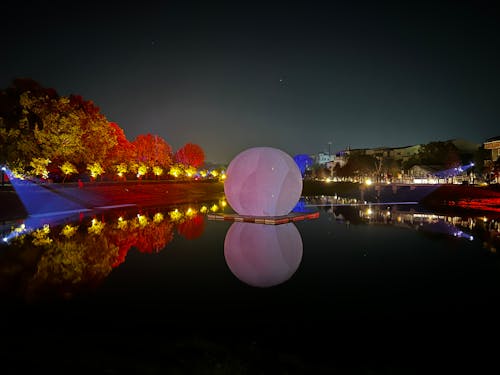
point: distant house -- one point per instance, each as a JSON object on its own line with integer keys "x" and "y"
{"x": 493, "y": 144}
{"x": 404, "y": 153}
{"x": 396, "y": 153}
{"x": 424, "y": 171}
{"x": 324, "y": 158}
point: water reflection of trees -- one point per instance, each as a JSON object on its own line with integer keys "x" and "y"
{"x": 59, "y": 261}
{"x": 351, "y": 211}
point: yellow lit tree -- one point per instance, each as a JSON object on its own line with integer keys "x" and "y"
{"x": 95, "y": 169}
{"x": 142, "y": 170}
{"x": 39, "y": 166}
{"x": 176, "y": 170}
{"x": 158, "y": 171}
{"x": 67, "y": 169}
{"x": 121, "y": 170}
{"x": 67, "y": 128}
{"x": 190, "y": 171}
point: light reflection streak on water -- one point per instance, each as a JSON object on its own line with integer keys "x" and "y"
{"x": 404, "y": 214}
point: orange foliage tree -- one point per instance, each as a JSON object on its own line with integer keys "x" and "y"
{"x": 152, "y": 150}
{"x": 190, "y": 155}
{"x": 123, "y": 151}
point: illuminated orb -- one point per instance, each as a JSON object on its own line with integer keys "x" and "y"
{"x": 263, "y": 255}
{"x": 263, "y": 181}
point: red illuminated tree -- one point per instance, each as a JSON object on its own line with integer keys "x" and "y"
{"x": 190, "y": 155}
{"x": 123, "y": 150}
{"x": 152, "y": 150}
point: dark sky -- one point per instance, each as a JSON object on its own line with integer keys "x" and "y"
{"x": 292, "y": 75}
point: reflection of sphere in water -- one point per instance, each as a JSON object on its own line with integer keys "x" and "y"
{"x": 263, "y": 255}
{"x": 263, "y": 181}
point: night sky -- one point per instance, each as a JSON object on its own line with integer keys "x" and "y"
{"x": 294, "y": 76}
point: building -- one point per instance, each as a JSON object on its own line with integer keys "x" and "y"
{"x": 404, "y": 153}
{"x": 397, "y": 153}
{"x": 493, "y": 144}
{"x": 324, "y": 158}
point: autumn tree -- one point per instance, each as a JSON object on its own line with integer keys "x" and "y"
{"x": 190, "y": 155}
{"x": 152, "y": 150}
{"x": 123, "y": 150}
{"x": 56, "y": 129}
{"x": 17, "y": 144}
{"x": 67, "y": 169}
{"x": 36, "y": 122}
{"x": 98, "y": 137}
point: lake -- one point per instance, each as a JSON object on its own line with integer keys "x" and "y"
{"x": 381, "y": 288}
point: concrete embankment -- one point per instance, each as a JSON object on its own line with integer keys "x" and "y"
{"x": 60, "y": 197}
{"x": 163, "y": 193}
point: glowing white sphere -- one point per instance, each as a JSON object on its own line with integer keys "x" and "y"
{"x": 263, "y": 255}
{"x": 263, "y": 181}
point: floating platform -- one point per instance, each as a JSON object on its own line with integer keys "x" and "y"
{"x": 271, "y": 220}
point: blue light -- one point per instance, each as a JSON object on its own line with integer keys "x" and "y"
{"x": 39, "y": 197}
{"x": 303, "y": 161}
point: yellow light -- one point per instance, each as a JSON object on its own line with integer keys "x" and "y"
{"x": 120, "y": 174}
{"x": 143, "y": 220}
{"x": 21, "y": 228}
{"x": 175, "y": 215}
{"x": 68, "y": 231}
{"x": 96, "y": 227}
{"x": 203, "y": 209}
{"x": 369, "y": 211}
{"x": 158, "y": 218}
{"x": 122, "y": 224}
{"x": 368, "y": 182}
{"x": 214, "y": 208}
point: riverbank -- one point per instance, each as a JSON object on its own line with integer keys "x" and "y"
{"x": 49, "y": 197}
{"x": 451, "y": 198}
{"x": 464, "y": 198}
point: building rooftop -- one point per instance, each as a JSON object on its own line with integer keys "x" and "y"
{"x": 493, "y": 139}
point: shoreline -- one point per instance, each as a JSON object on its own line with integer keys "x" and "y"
{"x": 459, "y": 199}
{"x": 140, "y": 193}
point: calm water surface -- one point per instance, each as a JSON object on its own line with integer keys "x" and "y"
{"x": 380, "y": 289}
